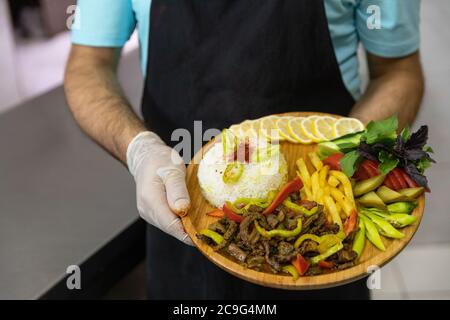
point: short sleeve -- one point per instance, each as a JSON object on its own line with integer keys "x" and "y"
{"x": 399, "y": 33}
{"x": 103, "y": 23}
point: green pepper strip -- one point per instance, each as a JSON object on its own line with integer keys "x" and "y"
{"x": 360, "y": 239}
{"x": 398, "y": 220}
{"x": 278, "y": 232}
{"x": 333, "y": 239}
{"x": 217, "y": 238}
{"x": 260, "y": 202}
{"x": 372, "y": 233}
{"x": 385, "y": 228}
{"x": 233, "y": 172}
{"x": 300, "y": 209}
{"x": 291, "y": 270}
{"x": 328, "y": 253}
{"x": 307, "y": 236}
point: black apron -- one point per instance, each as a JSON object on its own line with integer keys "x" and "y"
{"x": 221, "y": 62}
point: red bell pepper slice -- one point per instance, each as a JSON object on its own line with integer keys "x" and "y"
{"x": 230, "y": 214}
{"x": 409, "y": 181}
{"x": 286, "y": 190}
{"x": 326, "y": 264}
{"x": 351, "y": 222}
{"x": 300, "y": 264}
{"x": 216, "y": 213}
{"x": 397, "y": 174}
{"x": 333, "y": 161}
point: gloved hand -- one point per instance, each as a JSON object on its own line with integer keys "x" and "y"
{"x": 161, "y": 190}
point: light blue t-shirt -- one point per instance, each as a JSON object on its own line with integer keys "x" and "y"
{"x": 109, "y": 23}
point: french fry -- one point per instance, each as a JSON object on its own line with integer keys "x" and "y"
{"x": 346, "y": 184}
{"x": 315, "y": 187}
{"x": 339, "y": 197}
{"x": 303, "y": 172}
{"x": 323, "y": 173}
{"x": 333, "y": 182}
{"x": 332, "y": 210}
{"x": 306, "y": 193}
{"x": 341, "y": 188}
{"x": 338, "y": 207}
{"x": 316, "y": 162}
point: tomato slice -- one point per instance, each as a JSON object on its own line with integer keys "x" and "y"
{"x": 399, "y": 176}
{"x": 333, "y": 161}
{"x": 371, "y": 168}
{"x": 409, "y": 181}
{"x": 361, "y": 174}
{"x": 389, "y": 183}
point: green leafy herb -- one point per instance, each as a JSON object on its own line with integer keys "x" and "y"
{"x": 377, "y": 131}
{"x": 406, "y": 134}
{"x": 350, "y": 162}
{"x": 388, "y": 162}
{"x": 428, "y": 149}
{"x": 423, "y": 164}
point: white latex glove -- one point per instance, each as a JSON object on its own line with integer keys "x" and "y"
{"x": 161, "y": 190}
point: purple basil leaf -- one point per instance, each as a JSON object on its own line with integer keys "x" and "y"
{"x": 418, "y": 139}
{"x": 367, "y": 152}
{"x": 415, "y": 154}
{"x": 416, "y": 176}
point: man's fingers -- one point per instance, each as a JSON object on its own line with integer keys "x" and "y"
{"x": 174, "y": 179}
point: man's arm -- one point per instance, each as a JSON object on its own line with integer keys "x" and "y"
{"x": 97, "y": 101}
{"x": 396, "y": 87}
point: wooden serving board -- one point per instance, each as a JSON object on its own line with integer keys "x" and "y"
{"x": 371, "y": 256}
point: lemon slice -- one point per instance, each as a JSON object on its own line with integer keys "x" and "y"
{"x": 247, "y": 128}
{"x": 324, "y": 128}
{"x": 283, "y": 128}
{"x": 268, "y": 128}
{"x": 236, "y": 130}
{"x": 347, "y": 125}
{"x": 307, "y": 126}
{"x": 296, "y": 131}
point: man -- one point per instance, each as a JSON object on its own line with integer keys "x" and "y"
{"x": 223, "y": 61}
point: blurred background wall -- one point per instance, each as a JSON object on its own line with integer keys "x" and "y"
{"x": 34, "y": 43}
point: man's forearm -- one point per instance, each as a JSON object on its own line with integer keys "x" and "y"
{"x": 98, "y": 104}
{"x": 395, "y": 91}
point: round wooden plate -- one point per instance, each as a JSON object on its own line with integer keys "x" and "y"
{"x": 371, "y": 256}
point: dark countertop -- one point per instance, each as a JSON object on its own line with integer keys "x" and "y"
{"x": 62, "y": 199}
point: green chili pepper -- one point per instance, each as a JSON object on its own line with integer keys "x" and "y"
{"x": 372, "y": 233}
{"x": 260, "y": 202}
{"x": 279, "y": 232}
{"x": 398, "y": 220}
{"x": 384, "y": 227}
{"x": 360, "y": 238}
{"x": 217, "y": 238}
{"x": 299, "y": 209}
{"x": 402, "y": 207}
{"x": 291, "y": 270}
{"x": 233, "y": 172}
{"x": 307, "y": 236}
{"x": 328, "y": 253}
{"x": 325, "y": 242}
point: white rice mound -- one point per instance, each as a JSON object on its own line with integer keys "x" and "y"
{"x": 257, "y": 179}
